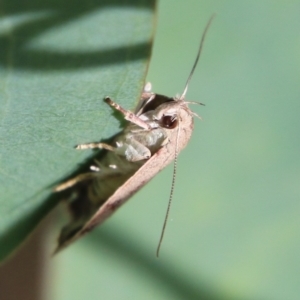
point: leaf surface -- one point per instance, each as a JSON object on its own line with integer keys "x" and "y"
{"x": 57, "y": 63}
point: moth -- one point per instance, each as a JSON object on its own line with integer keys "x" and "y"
{"x": 155, "y": 134}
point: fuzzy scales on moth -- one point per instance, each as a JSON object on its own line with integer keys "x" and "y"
{"x": 160, "y": 128}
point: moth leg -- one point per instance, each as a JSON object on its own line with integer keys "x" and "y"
{"x": 147, "y": 87}
{"x": 133, "y": 150}
{"x": 95, "y": 145}
{"x": 69, "y": 183}
{"x": 129, "y": 116}
{"x": 146, "y": 97}
{"x": 147, "y": 94}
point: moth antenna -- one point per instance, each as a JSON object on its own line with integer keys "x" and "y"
{"x": 194, "y": 102}
{"x": 171, "y": 194}
{"x": 196, "y": 115}
{"x": 197, "y": 57}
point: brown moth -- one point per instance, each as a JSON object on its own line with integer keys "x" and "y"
{"x": 158, "y": 130}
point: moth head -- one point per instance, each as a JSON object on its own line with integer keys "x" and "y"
{"x": 170, "y": 114}
{"x": 169, "y": 121}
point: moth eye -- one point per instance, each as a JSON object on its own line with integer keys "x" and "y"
{"x": 169, "y": 121}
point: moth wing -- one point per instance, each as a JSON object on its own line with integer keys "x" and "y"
{"x": 143, "y": 175}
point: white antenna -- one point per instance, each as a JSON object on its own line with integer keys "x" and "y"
{"x": 178, "y": 132}
{"x": 197, "y": 57}
{"x": 171, "y": 193}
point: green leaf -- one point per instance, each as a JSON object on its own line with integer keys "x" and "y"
{"x": 57, "y": 62}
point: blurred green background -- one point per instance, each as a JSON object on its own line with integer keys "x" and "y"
{"x": 234, "y": 229}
